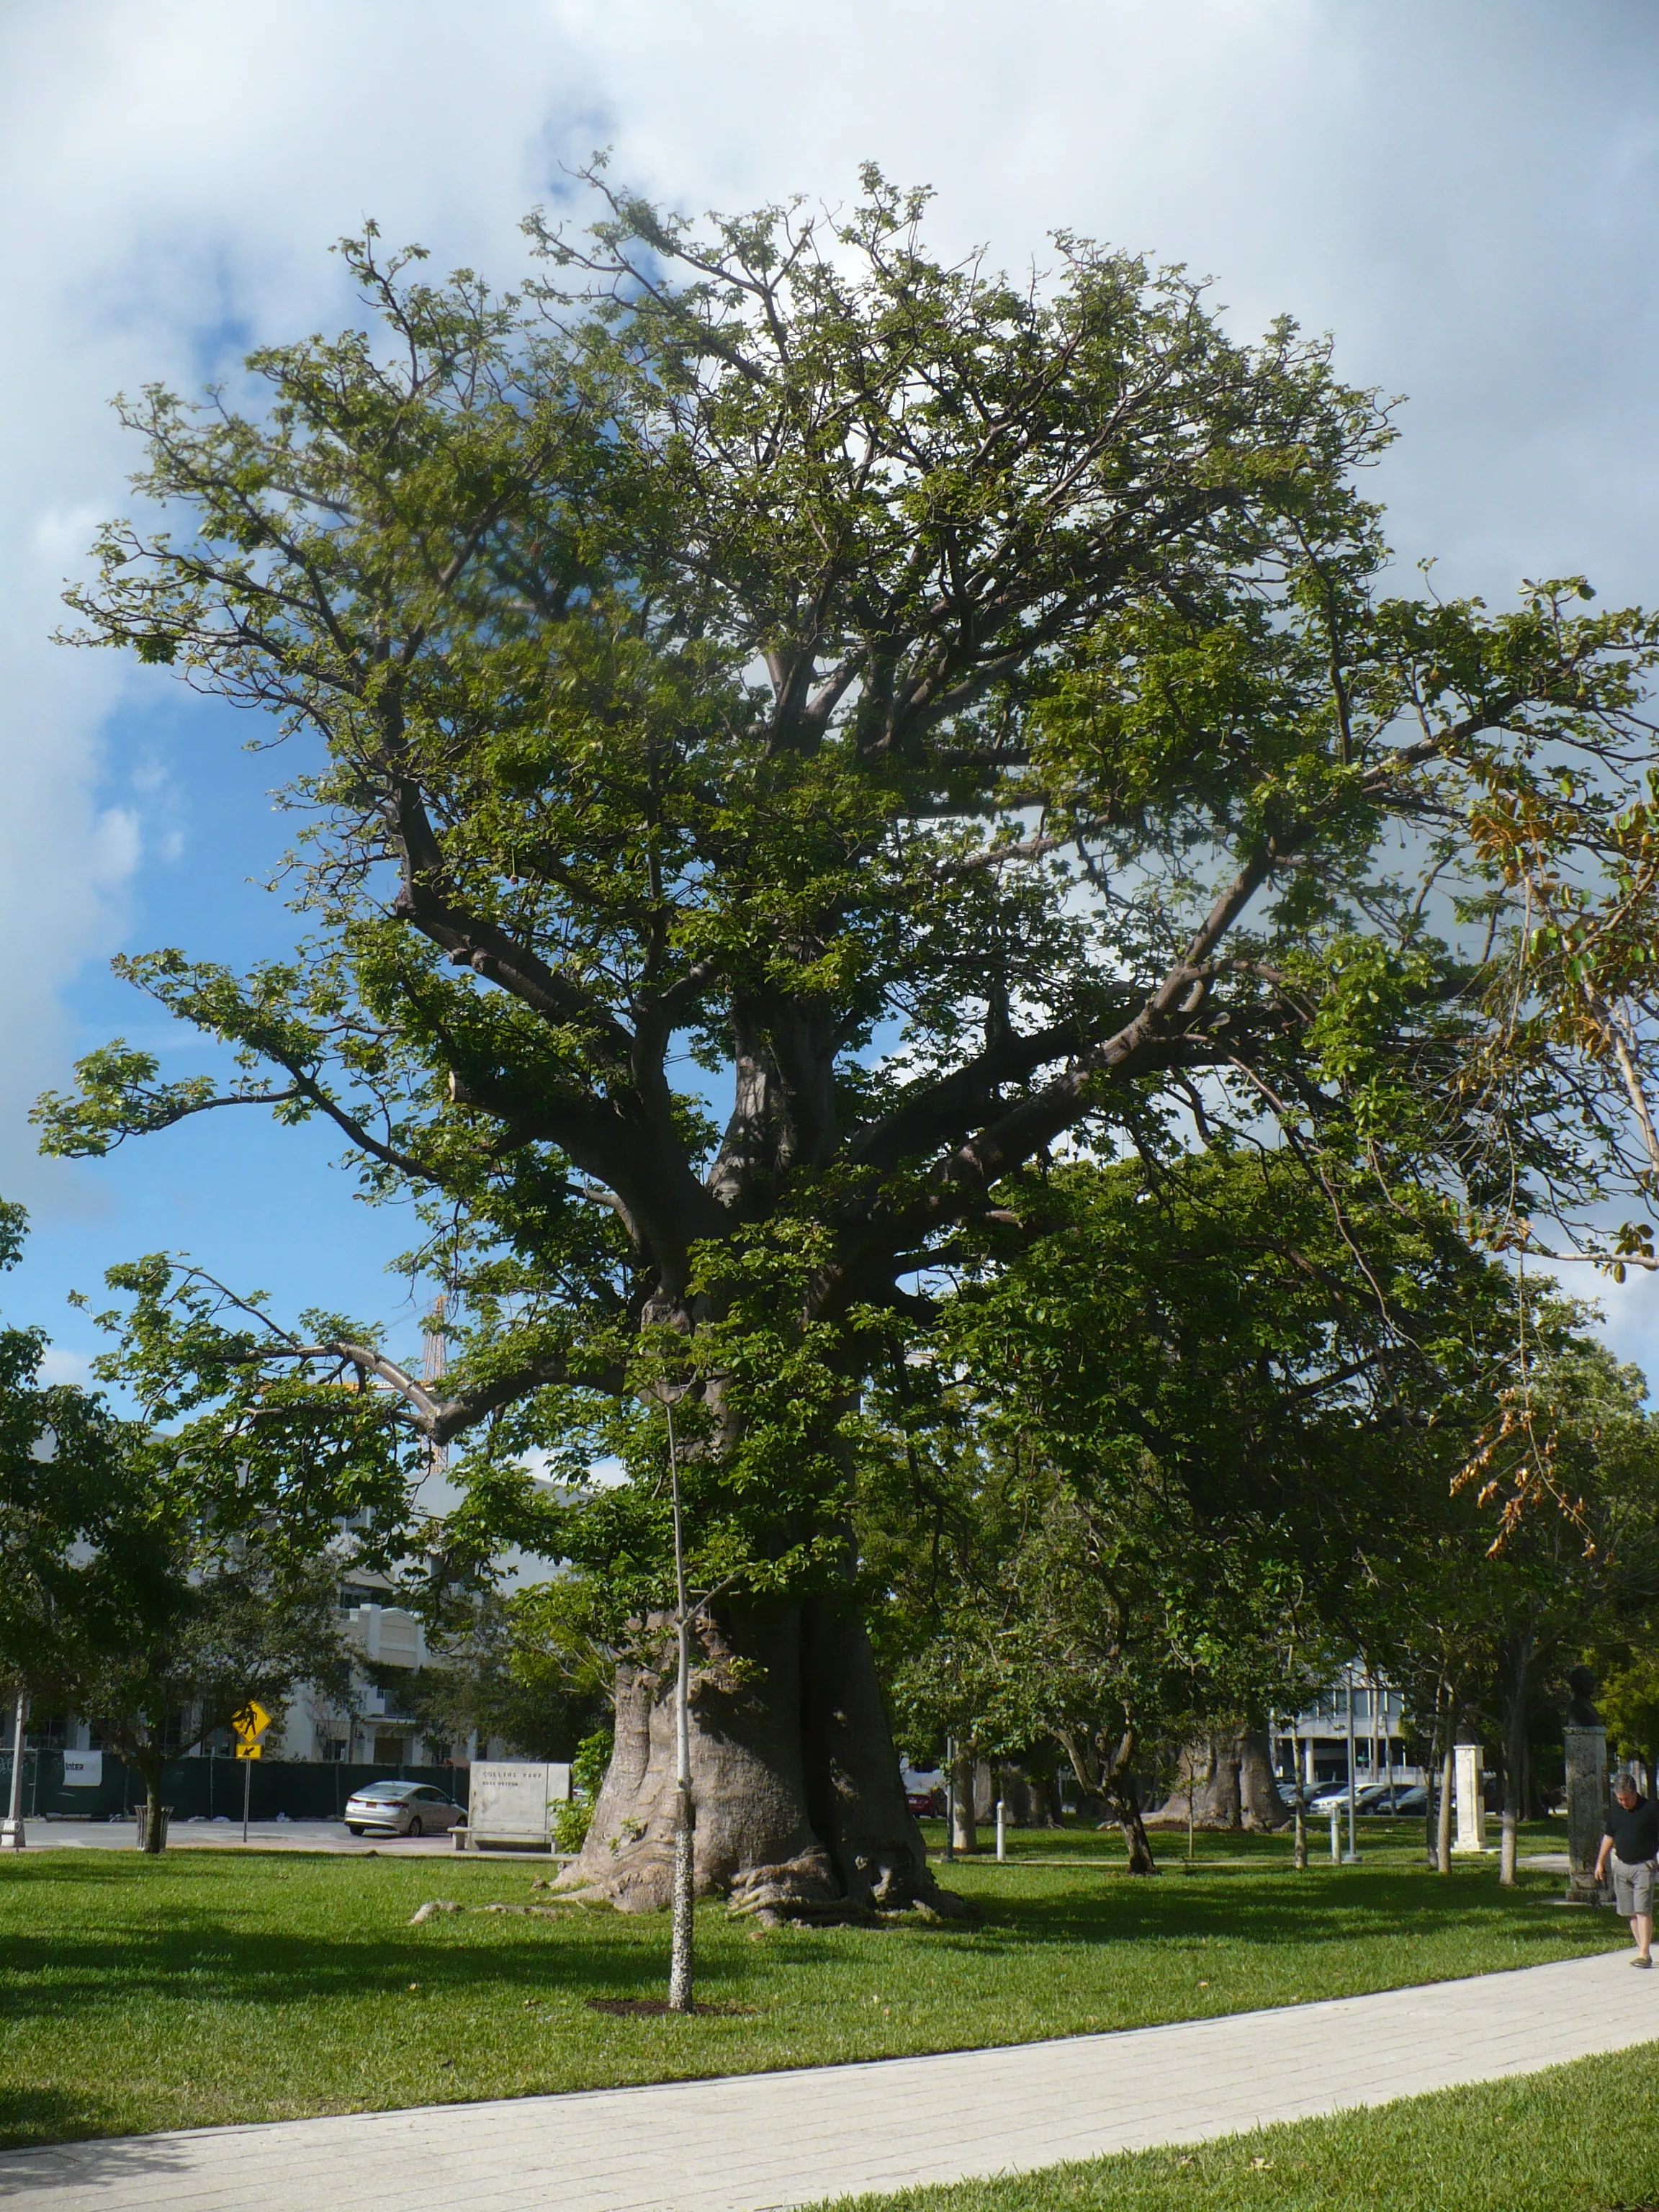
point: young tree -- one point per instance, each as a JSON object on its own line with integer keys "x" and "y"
{"x": 525, "y": 1668}
{"x": 950, "y": 712}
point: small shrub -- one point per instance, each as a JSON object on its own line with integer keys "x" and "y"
{"x": 587, "y": 1771}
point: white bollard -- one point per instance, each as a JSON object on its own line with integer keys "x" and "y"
{"x": 1336, "y": 1838}
{"x": 1002, "y": 1853}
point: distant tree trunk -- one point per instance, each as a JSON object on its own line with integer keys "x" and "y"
{"x": 1123, "y": 1794}
{"x": 1124, "y": 1798}
{"x": 1448, "y": 1776}
{"x": 1028, "y": 1796}
{"x": 1105, "y": 1774}
{"x": 1228, "y": 1777}
{"x": 1044, "y": 1793}
{"x": 150, "y": 1769}
{"x": 964, "y": 1823}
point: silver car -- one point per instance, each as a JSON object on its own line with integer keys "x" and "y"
{"x": 401, "y": 1808}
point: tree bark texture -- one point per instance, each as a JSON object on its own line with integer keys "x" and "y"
{"x": 1124, "y": 1798}
{"x": 1228, "y": 1778}
{"x": 1442, "y": 1833}
{"x": 1029, "y": 1797}
{"x": 154, "y": 1839}
{"x": 800, "y": 1808}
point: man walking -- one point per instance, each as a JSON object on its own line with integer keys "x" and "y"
{"x": 1632, "y": 1841}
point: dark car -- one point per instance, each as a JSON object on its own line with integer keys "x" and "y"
{"x": 924, "y": 1803}
{"x": 1405, "y": 1799}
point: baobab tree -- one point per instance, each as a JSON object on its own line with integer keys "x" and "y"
{"x": 793, "y": 729}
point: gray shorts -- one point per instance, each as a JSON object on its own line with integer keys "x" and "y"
{"x": 1633, "y": 1886}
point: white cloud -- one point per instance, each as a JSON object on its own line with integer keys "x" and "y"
{"x": 57, "y": 1366}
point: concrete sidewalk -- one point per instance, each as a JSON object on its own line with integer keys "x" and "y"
{"x": 744, "y": 2142}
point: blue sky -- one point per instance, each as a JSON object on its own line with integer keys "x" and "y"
{"x": 1467, "y": 194}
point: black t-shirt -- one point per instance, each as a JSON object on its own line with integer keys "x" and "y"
{"x": 1636, "y": 1833}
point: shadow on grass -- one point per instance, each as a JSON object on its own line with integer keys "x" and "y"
{"x": 1370, "y": 1907}
{"x": 206, "y": 1944}
{"x": 188, "y": 1947}
{"x": 31, "y": 2120}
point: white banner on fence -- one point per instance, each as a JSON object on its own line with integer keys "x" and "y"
{"x": 83, "y": 1770}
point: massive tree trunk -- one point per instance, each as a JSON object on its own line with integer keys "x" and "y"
{"x": 1029, "y": 1797}
{"x": 800, "y": 1808}
{"x": 1225, "y": 1780}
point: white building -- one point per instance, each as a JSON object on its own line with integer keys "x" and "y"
{"x": 1312, "y": 1746}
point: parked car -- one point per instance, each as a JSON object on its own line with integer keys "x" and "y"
{"x": 1409, "y": 1798}
{"x": 402, "y": 1808}
{"x": 926, "y": 1804}
{"x": 1368, "y": 1798}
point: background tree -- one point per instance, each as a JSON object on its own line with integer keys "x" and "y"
{"x": 61, "y": 1490}
{"x": 1567, "y": 1496}
{"x": 950, "y": 714}
{"x": 1187, "y": 1418}
{"x": 1629, "y": 1699}
{"x": 239, "y": 1503}
{"x": 193, "y": 1630}
{"x": 525, "y": 1669}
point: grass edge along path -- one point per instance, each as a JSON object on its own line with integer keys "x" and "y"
{"x": 1582, "y": 2137}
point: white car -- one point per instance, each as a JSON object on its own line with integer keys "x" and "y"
{"x": 402, "y": 1808}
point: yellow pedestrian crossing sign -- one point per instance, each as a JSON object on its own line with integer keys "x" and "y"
{"x": 249, "y": 1725}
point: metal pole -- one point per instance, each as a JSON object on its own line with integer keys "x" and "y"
{"x": 949, "y": 1798}
{"x": 247, "y": 1788}
{"x": 11, "y": 1832}
{"x": 1351, "y": 1856}
{"x": 1388, "y": 1741}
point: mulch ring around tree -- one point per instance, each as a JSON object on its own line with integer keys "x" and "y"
{"x": 654, "y": 2007}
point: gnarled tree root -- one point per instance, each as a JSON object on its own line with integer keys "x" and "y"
{"x": 435, "y": 1906}
{"x": 803, "y": 1892}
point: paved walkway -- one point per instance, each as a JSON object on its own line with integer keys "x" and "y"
{"x": 748, "y": 2141}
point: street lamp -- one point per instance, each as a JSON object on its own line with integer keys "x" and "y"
{"x": 1351, "y": 1856}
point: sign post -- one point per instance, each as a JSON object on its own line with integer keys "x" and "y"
{"x": 248, "y": 1726}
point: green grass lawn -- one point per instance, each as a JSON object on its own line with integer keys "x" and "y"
{"x": 214, "y": 1986}
{"x": 1580, "y": 2138}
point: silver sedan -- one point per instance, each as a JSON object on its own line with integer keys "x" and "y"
{"x": 401, "y": 1808}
